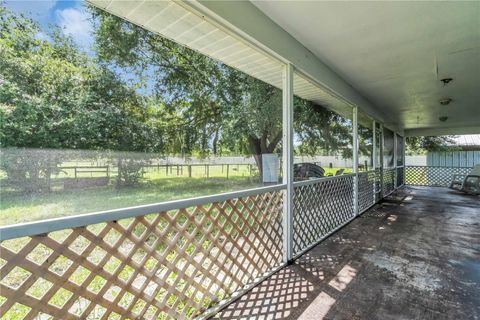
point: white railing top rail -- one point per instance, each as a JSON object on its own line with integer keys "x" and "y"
{"x": 446, "y": 167}
{"x": 320, "y": 180}
{"x": 56, "y": 224}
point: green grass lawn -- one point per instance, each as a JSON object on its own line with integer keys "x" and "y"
{"x": 157, "y": 186}
{"x": 17, "y": 208}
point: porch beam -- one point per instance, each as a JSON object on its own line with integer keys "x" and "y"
{"x": 441, "y": 131}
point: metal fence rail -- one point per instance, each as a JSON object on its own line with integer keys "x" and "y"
{"x": 319, "y": 207}
{"x": 171, "y": 264}
{"x": 432, "y": 176}
{"x": 366, "y": 187}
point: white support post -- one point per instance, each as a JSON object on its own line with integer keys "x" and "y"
{"x": 395, "y": 171}
{"x": 288, "y": 162}
{"x": 374, "y": 160}
{"x": 404, "y": 163}
{"x": 382, "y": 164}
{"x": 355, "y": 159}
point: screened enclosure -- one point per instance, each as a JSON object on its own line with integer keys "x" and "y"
{"x": 188, "y": 165}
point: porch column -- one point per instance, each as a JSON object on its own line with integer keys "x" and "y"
{"x": 403, "y": 155}
{"x": 355, "y": 159}
{"x": 382, "y": 147}
{"x": 374, "y": 160}
{"x": 395, "y": 171}
{"x": 288, "y": 161}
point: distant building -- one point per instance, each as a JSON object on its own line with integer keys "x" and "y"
{"x": 466, "y": 154}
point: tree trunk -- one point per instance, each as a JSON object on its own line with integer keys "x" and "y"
{"x": 259, "y": 146}
{"x": 215, "y": 142}
{"x": 256, "y": 150}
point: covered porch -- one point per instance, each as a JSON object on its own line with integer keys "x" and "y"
{"x": 384, "y": 240}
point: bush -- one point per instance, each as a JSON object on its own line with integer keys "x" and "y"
{"x": 30, "y": 170}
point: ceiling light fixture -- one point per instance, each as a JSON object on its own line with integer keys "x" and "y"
{"x": 443, "y": 118}
{"x": 446, "y": 81}
{"x": 445, "y": 101}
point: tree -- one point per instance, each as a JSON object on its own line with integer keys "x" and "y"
{"x": 321, "y": 130}
{"x": 419, "y": 145}
{"x": 222, "y": 109}
{"x": 54, "y": 96}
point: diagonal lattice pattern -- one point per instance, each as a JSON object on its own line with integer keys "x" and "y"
{"x": 319, "y": 207}
{"x": 167, "y": 265}
{"x": 378, "y": 183}
{"x": 366, "y": 184}
{"x": 399, "y": 176}
{"x": 433, "y": 176}
{"x": 388, "y": 181}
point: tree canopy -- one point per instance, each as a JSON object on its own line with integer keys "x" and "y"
{"x": 54, "y": 95}
{"x": 420, "y": 145}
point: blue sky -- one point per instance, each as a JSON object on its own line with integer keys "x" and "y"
{"x": 70, "y": 15}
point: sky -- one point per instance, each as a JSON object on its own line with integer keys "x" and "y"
{"x": 70, "y": 15}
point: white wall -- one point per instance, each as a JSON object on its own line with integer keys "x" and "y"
{"x": 416, "y": 160}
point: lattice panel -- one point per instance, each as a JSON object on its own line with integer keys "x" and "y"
{"x": 388, "y": 181}
{"x": 366, "y": 183}
{"x": 432, "y": 176}
{"x": 167, "y": 265}
{"x": 320, "y": 207}
{"x": 399, "y": 176}
{"x": 378, "y": 183}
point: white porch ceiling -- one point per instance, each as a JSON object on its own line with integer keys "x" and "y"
{"x": 395, "y": 54}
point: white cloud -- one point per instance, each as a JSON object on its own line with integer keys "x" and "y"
{"x": 75, "y": 22}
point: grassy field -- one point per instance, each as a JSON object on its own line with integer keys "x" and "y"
{"x": 16, "y": 207}
{"x": 157, "y": 186}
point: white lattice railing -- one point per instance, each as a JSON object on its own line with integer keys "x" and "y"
{"x": 320, "y": 207}
{"x": 388, "y": 181}
{"x": 432, "y": 176}
{"x": 167, "y": 261}
{"x": 366, "y": 190}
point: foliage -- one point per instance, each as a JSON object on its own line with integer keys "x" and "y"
{"x": 420, "y": 145}
{"x": 218, "y": 109}
{"x": 54, "y": 96}
{"x": 320, "y": 130}
{"x": 30, "y": 170}
{"x": 176, "y": 101}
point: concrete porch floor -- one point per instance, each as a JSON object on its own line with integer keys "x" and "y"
{"x": 416, "y": 255}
